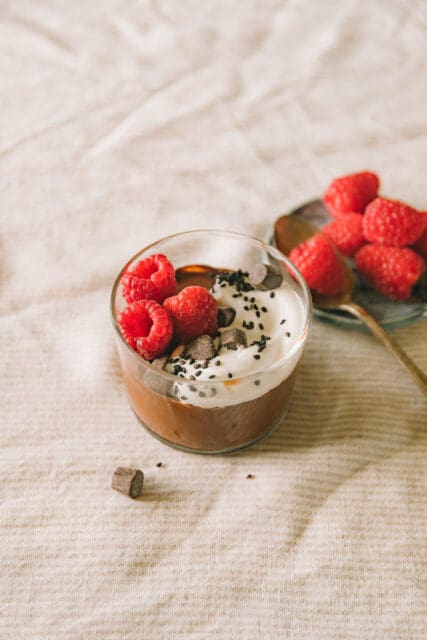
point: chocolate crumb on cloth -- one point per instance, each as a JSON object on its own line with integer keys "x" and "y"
{"x": 128, "y": 481}
{"x": 264, "y": 277}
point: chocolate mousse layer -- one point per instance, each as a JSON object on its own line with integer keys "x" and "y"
{"x": 209, "y": 429}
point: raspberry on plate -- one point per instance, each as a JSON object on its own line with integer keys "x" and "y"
{"x": 346, "y": 233}
{"x": 391, "y": 270}
{"x": 351, "y": 193}
{"x": 319, "y": 264}
{"x": 194, "y": 313}
{"x": 152, "y": 278}
{"x": 146, "y": 327}
{"x": 392, "y": 223}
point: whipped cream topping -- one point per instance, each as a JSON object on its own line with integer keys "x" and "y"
{"x": 273, "y": 322}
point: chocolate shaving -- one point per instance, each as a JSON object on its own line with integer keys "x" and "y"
{"x": 201, "y": 348}
{"x": 264, "y": 277}
{"x": 233, "y": 339}
{"x": 226, "y": 316}
{"x": 128, "y": 481}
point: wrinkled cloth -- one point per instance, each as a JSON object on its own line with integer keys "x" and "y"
{"x": 126, "y": 121}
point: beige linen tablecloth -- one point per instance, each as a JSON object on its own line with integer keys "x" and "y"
{"x": 125, "y": 121}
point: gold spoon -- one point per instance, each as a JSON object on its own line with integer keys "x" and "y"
{"x": 289, "y": 231}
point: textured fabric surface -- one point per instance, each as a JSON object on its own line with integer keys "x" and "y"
{"x": 126, "y": 121}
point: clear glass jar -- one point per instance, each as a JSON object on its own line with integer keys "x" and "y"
{"x": 218, "y": 415}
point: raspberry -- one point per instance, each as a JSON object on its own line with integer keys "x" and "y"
{"x": 420, "y": 246}
{"x": 146, "y": 327}
{"x": 346, "y": 233}
{"x": 351, "y": 194}
{"x": 391, "y": 270}
{"x": 194, "y": 313}
{"x": 392, "y": 223}
{"x": 150, "y": 279}
{"x": 319, "y": 264}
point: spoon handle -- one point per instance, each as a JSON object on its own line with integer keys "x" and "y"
{"x": 419, "y": 377}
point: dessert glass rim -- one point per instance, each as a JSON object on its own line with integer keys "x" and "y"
{"x": 236, "y": 234}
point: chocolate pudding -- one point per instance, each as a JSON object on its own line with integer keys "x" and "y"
{"x": 228, "y": 385}
{"x": 180, "y": 421}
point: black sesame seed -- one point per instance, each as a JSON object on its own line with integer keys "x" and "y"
{"x": 264, "y": 309}
{"x": 287, "y": 334}
{"x": 159, "y": 464}
{"x": 181, "y": 375}
{"x": 257, "y": 313}
{"x": 257, "y": 356}
{"x": 249, "y": 476}
{"x": 192, "y": 361}
{"x": 235, "y": 295}
{"x": 197, "y": 366}
{"x": 230, "y": 375}
{"x": 272, "y": 294}
{"x": 256, "y": 307}
{"x": 257, "y": 383}
{"x": 283, "y": 321}
{"x": 252, "y": 300}
{"x": 245, "y": 298}
{"x": 261, "y": 326}
{"x": 212, "y": 376}
{"x": 184, "y": 398}
{"x": 246, "y": 308}
{"x": 223, "y": 284}
{"x": 198, "y": 373}
{"x": 217, "y": 362}
{"x": 205, "y": 365}
{"x": 192, "y": 378}
{"x": 191, "y": 387}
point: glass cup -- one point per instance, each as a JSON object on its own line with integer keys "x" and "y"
{"x": 217, "y": 415}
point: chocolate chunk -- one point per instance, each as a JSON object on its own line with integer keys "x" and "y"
{"x": 128, "y": 481}
{"x": 265, "y": 277}
{"x": 226, "y": 316}
{"x": 201, "y": 348}
{"x": 233, "y": 339}
{"x": 160, "y": 363}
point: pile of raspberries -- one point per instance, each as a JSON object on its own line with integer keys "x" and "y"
{"x": 386, "y": 238}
